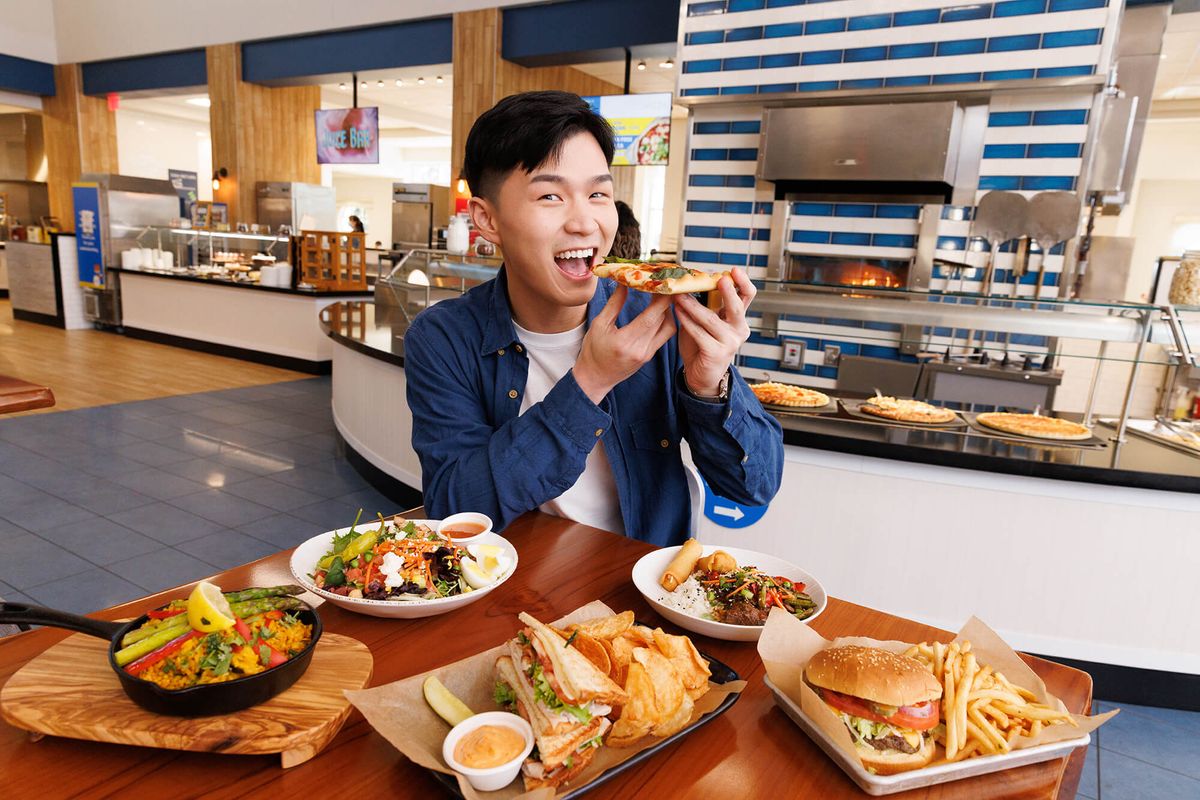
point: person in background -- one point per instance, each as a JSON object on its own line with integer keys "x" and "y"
{"x": 628, "y": 241}
{"x": 356, "y": 225}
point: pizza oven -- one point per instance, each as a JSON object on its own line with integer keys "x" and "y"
{"x": 837, "y": 271}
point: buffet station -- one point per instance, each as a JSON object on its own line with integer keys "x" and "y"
{"x": 252, "y": 292}
{"x": 593, "y": 667}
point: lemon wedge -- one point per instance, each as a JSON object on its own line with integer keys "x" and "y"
{"x": 444, "y": 702}
{"x": 208, "y": 610}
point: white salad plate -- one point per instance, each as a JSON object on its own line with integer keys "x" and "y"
{"x": 304, "y": 564}
{"x": 647, "y": 573}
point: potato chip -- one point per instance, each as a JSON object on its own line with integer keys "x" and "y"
{"x": 640, "y": 713}
{"x": 605, "y": 627}
{"x": 677, "y": 721}
{"x": 620, "y": 654}
{"x": 692, "y": 668}
{"x": 592, "y": 650}
{"x": 640, "y": 636}
{"x": 669, "y": 693}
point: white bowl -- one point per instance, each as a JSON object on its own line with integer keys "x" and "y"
{"x": 488, "y": 780}
{"x": 304, "y": 564}
{"x": 649, "y": 569}
{"x": 467, "y": 516}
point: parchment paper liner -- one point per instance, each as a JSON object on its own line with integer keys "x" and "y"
{"x": 787, "y": 644}
{"x": 399, "y": 712}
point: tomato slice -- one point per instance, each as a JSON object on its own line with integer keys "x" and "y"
{"x": 920, "y": 717}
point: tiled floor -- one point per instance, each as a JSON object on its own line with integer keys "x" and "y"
{"x": 102, "y": 505}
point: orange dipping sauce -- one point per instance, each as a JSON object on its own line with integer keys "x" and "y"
{"x": 463, "y": 530}
{"x": 489, "y": 746}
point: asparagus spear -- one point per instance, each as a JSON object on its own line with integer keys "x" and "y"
{"x": 259, "y": 594}
{"x": 179, "y": 623}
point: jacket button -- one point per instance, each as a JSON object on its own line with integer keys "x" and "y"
{"x": 599, "y": 432}
{"x": 519, "y": 350}
{"x": 664, "y": 444}
{"x": 512, "y": 393}
{"x": 500, "y": 352}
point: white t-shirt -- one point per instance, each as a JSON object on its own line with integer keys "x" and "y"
{"x": 593, "y": 499}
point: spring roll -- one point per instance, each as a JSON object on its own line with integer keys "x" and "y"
{"x": 682, "y": 565}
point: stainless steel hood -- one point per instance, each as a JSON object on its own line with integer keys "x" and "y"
{"x": 896, "y": 148}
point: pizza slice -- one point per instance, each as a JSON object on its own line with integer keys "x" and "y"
{"x": 658, "y": 277}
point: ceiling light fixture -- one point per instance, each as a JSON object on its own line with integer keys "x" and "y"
{"x": 362, "y": 85}
{"x": 420, "y": 81}
{"x": 667, "y": 64}
{"x": 641, "y": 66}
{"x": 203, "y": 102}
{"x": 342, "y": 86}
{"x": 399, "y": 82}
{"x": 379, "y": 84}
{"x": 439, "y": 78}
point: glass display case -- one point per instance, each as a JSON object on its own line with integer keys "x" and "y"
{"x": 424, "y": 276}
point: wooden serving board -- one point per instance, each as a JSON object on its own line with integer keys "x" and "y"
{"x": 70, "y": 690}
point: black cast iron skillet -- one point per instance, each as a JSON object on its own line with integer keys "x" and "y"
{"x": 195, "y": 701}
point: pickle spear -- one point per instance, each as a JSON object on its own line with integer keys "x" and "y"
{"x": 444, "y": 703}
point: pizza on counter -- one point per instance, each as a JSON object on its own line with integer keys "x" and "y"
{"x": 660, "y": 277}
{"x": 906, "y": 410}
{"x": 783, "y": 394}
{"x": 1034, "y": 425}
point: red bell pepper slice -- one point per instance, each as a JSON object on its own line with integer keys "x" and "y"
{"x": 164, "y": 613}
{"x": 150, "y": 659}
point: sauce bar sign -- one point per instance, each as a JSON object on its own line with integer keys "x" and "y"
{"x": 348, "y": 136}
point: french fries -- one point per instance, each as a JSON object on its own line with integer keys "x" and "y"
{"x": 984, "y": 713}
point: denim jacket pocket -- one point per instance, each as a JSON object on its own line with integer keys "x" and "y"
{"x": 660, "y": 434}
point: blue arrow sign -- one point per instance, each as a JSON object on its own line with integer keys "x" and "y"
{"x": 727, "y": 513}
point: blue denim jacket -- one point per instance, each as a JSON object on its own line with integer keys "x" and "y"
{"x": 466, "y": 372}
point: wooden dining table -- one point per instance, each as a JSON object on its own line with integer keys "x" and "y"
{"x": 752, "y": 750}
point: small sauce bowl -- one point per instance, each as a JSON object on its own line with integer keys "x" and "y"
{"x": 493, "y": 778}
{"x": 466, "y": 517}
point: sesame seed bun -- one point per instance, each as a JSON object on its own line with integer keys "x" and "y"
{"x": 879, "y": 676}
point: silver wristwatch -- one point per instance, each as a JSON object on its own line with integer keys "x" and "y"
{"x": 722, "y": 388}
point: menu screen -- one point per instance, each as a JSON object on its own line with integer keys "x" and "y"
{"x": 641, "y": 123}
{"x": 348, "y": 136}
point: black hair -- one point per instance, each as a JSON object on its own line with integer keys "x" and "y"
{"x": 526, "y": 130}
{"x": 628, "y": 240}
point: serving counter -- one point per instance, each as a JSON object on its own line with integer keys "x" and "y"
{"x": 43, "y": 282}
{"x": 1080, "y": 554}
{"x": 266, "y": 324}
{"x": 752, "y": 750}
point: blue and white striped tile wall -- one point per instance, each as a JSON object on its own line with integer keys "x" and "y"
{"x": 734, "y": 47}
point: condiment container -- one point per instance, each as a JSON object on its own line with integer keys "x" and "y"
{"x": 1185, "y": 285}
{"x": 488, "y": 780}
{"x": 458, "y": 237}
{"x": 470, "y": 518}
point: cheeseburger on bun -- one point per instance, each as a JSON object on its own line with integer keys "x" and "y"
{"x": 889, "y": 703}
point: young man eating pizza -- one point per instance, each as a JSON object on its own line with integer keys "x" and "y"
{"x": 550, "y": 388}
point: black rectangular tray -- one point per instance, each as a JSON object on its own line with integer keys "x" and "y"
{"x": 721, "y": 673}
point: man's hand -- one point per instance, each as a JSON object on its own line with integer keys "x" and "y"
{"x": 709, "y": 341}
{"x": 611, "y": 354}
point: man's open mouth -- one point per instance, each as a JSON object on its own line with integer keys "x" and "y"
{"x": 576, "y": 264}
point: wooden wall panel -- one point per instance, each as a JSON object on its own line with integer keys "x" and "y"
{"x": 259, "y": 133}
{"x": 79, "y": 134}
{"x": 482, "y": 77}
